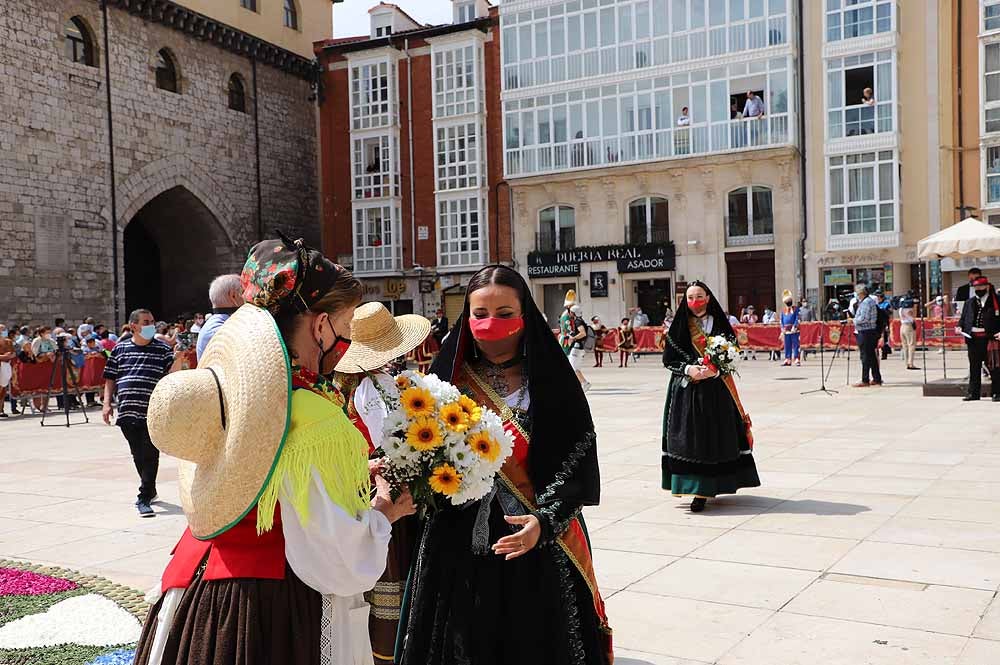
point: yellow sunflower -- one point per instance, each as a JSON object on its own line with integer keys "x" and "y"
{"x": 471, "y": 409}
{"x": 417, "y": 402}
{"x": 454, "y": 417}
{"x": 424, "y": 434}
{"x": 485, "y": 446}
{"x": 445, "y": 480}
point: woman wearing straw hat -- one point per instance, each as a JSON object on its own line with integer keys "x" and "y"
{"x": 378, "y": 338}
{"x": 282, "y": 535}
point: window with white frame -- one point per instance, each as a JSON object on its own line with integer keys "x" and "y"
{"x": 455, "y": 75}
{"x": 458, "y": 160}
{"x": 556, "y": 229}
{"x": 371, "y": 95}
{"x": 750, "y": 214}
{"x": 377, "y": 242}
{"x": 648, "y": 221}
{"x": 991, "y": 86}
{"x": 461, "y": 240}
{"x": 465, "y": 12}
{"x": 862, "y": 193}
{"x": 584, "y": 38}
{"x": 846, "y": 19}
{"x": 638, "y": 120}
{"x": 860, "y": 95}
{"x": 991, "y": 15}
{"x": 993, "y": 174}
{"x": 375, "y": 172}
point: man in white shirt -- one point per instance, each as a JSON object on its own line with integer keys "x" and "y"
{"x": 754, "y": 108}
{"x": 684, "y": 119}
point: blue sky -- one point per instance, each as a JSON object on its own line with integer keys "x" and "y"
{"x": 351, "y": 16}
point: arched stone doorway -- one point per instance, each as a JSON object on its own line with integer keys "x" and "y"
{"x": 173, "y": 247}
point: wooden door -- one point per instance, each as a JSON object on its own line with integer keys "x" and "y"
{"x": 750, "y": 281}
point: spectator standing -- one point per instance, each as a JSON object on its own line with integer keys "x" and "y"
{"x": 908, "y": 329}
{"x": 866, "y": 329}
{"x": 166, "y": 334}
{"x": 754, "y": 107}
{"x": 884, "y": 322}
{"x": 980, "y": 324}
{"x": 868, "y": 97}
{"x": 135, "y": 367}
{"x": 684, "y": 119}
{"x": 965, "y": 292}
{"x": 937, "y": 307}
{"x": 565, "y": 329}
{"x": 578, "y": 348}
{"x": 789, "y": 334}
{"x": 639, "y": 320}
{"x": 85, "y": 329}
{"x": 199, "y": 323}
{"x": 7, "y": 356}
{"x": 770, "y": 318}
{"x": 806, "y": 314}
{"x": 439, "y": 326}
{"x": 226, "y": 295}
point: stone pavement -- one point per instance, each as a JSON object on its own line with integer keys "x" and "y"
{"x": 874, "y": 540}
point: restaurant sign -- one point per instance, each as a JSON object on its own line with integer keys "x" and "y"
{"x": 630, "y": 258}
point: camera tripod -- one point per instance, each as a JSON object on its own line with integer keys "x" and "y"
{"x": 66, "y": 374}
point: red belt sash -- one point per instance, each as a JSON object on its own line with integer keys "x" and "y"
{"x": 237, "y": 553}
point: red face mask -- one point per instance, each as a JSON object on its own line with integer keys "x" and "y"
{"x": 698, "y": 304}
{"x": 492, "y": 329}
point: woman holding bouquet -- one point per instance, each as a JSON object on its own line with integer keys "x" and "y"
{"x": 509, "y": 579}
{"x": 707, "y": 442}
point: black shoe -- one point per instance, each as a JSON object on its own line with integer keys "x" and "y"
{"x": 996, "y": 398}
{"x": 971, "y": 398}
{"x": 698, "y": 504}
{"x": 3, "y": 415}
{"x": 913, "y": 367}
{"x": 144, "y": 509}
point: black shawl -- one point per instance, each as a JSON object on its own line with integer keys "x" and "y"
{"x": 562, "y": 457}
{"x": 678, "y": 346}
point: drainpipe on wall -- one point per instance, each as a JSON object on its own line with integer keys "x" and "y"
{"x": 961, "y": 141}
{"x": 256, "y": 144}
{"x": 802, "y": 154}
{"x": 409, "y": 137}
{"x": 510, "y": 222}
{"x": 111, "y": 168}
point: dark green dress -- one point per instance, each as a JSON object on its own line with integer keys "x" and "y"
{"x": 706, "y": 440}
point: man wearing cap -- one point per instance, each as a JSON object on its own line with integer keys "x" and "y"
{"x": 980, "y": 323}
{"x": 132, "y": 371}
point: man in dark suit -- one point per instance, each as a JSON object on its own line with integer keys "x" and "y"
{"x": 980, "y": 323}
{"x": 964, "y": 292}
{"x": 439, "y": 326}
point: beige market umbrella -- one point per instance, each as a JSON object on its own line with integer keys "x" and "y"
{"x": 969, "y": 237}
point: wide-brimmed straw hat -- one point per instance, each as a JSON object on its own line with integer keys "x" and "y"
{"x": 226, "y": 420}
{"x": 378, "y": 338}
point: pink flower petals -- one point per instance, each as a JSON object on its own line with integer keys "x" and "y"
{"x": 24, "y": 583}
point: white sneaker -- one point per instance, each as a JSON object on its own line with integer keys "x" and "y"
{"x": 586, "y": 386}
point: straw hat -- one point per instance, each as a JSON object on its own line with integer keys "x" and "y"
{"x": 378, "y": 338}
{"x": 226, "y": 420}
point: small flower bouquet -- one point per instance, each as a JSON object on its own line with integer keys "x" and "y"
{"x": 721, "y": 355}
{"x": 440, "y": 443}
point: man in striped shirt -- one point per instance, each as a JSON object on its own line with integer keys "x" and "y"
{"x": 134, "y": 368}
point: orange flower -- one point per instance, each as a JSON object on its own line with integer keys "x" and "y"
{"x": 445, "y": 480}
{"x": 417, "y": 402}
{"x": 402, "y": 382}
{"x": 485, "y": 446}
{"x": 454, "y": 417}
{"x": 472, "y": 410}
{"x": 424, "y": 434}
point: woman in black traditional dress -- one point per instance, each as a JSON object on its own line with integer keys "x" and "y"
{"x": 707, "y": 442}
{"x": 509, "y": 579}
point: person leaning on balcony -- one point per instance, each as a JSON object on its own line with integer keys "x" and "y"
{"x": 684, "y": 119}
{"x": 754, "y": 108}
{"x": 868, "y": 97}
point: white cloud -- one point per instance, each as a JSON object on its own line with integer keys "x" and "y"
{"x": 351, "y": 16}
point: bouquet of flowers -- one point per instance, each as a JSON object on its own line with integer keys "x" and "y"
{"x": 440, "y": 443}
{"x": 721, "y": 355}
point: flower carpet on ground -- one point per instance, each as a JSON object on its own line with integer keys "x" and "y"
{"x": 53, "y": 616}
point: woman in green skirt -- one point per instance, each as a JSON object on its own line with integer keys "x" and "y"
{"x": 707, "y": 442}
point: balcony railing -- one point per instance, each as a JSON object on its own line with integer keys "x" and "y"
{"x": 378, "y": 259}
{"x": 653, "y": 145}
{"x": 863, "y": 240}
{"x": 545, "y": 241}
{"x": 639, "y": 234}
{"x": 861, "y": 120}
{"x": 740, "y": 233}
